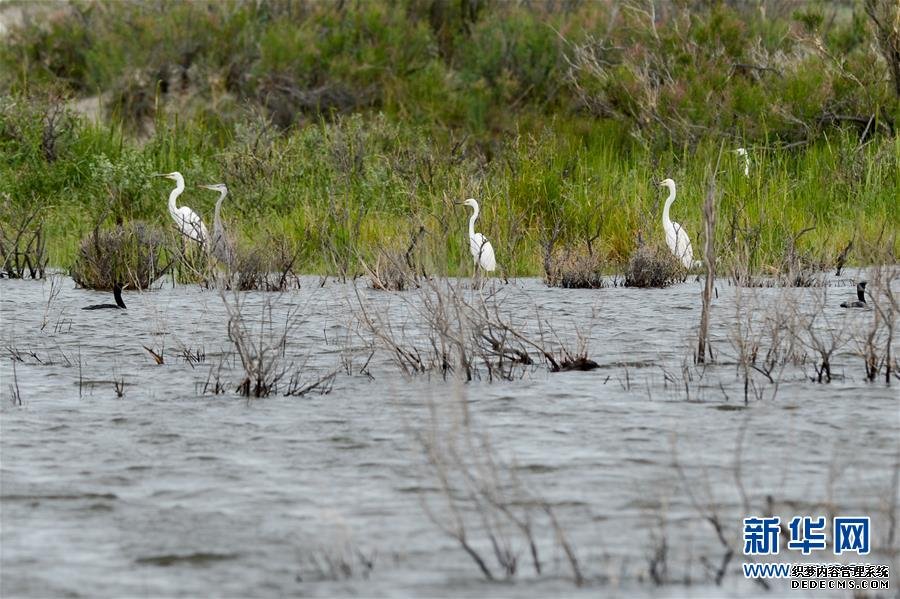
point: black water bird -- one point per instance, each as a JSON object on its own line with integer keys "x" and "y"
{"x": 861, "y": 295}
{"x": 119, "y": 305}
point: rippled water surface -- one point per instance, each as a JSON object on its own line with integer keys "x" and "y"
{"x": 169, "y": 490}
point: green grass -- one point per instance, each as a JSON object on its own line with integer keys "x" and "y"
{"x": 346, "y": 131}
{"x": 365, "y": 183}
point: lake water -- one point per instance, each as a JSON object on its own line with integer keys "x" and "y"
{"x": 172, "y": 491}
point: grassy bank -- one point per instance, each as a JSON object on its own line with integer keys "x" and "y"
{"x": 346, "y": 130}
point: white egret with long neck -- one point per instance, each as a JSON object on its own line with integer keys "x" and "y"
{"x": 676, "y": 237}
{"x": 481, "y": 249}
{"x": 222, "y": 247}
{"x": 188, "y": 222}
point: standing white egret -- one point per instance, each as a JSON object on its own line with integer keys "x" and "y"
{"x": 481, "y": 248}
{"x": 743, "y": 152}
{"x": 676, "y": 237}
{"x": 188, "y": 222}
{"x": 222, "y": 247}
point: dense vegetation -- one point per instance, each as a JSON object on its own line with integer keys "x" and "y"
{"x": 346, "y": 127}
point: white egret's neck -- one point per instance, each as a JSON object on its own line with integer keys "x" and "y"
{"x": 669, "y": 201}
{"x": 472, "y": 220}
{"x": 179, "y": 187}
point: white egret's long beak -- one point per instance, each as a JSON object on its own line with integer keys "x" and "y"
{"x": 210, "y": 187}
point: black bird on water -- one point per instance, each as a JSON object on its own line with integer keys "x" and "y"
{"x": 861, "y": 294}
{"x": 119, "y": 305}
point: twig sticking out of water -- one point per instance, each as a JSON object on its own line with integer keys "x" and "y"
{"x": 55, "y": 288}
{"x": 489, "y": 512}
{"x": 193, "y": 356}
{"x": 340, "y": 563}
{"x": 709, "y": 253}
{"x": 158, "y": 357}
{"x": 260, "y": 354}
{"x": 15, "y": 394}
{"x": 298, "y": 387}
{"x": 23, "y": 245}
{"x": 465, "y": 333}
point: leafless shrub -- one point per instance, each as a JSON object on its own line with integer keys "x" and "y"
{"x": 575, "y": 268}
{"x": 578, "y": 266}
{"x": 119, "y": 386}
{"x": 798, "y": 268}
{"x": 820, "y": 332}
{"x": 742, "y": 252}
{"x": 486, "y": 507}
{"x": 300, "y": 385}
{"x": 193, "y": 356}
{"x": 703, "y": 488}
{"x": 876, "y": 342}
{"x": 395, "y": 270}
{"x": 658, "y": 560}
{"x": 653, "y": 265}
{"x": 343, "y": 562}
{"x": 795, "y": 268}
{"x": 23, "y": 246}
{"x": 261, "y": 348}
{"x": 14, "y": 394}
{"x": 390, "y": 272}
{"x": 135, "y": 254}
{"x": 261, "y": 353}
{"x": 465, "y": 333}
{"x": 885, "y": 16}
{"x": 214, "y": 384}
{"x": 349, "y": 353}
{"x": 266, "y": 265}
{"x": 55, "y": 288}
{"x": 339, "y": 238}
{"x": 709, "y": 510}
{"x": 762, "y": 338}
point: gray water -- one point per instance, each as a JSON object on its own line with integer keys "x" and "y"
{"x": 170, "y": 491}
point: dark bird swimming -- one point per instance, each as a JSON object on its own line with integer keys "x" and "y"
{"x": 861, "y": 295}
{"x": 119, "y": 305}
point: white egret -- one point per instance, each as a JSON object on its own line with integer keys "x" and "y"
{"x": 188, "y": 222}
{"x": 481, "y": 248}
{"x": 861, "y": 297}
{"x": 743, "y": 152}
{"x": 222, "y": 246}
{"x": 676, "y": 237}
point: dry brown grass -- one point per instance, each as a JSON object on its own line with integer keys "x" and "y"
{"x": 653, "y": 266}
{"x": 135, "y": 254}
{"x": 574, "y": 268}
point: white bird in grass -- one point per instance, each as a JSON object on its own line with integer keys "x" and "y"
{"x": 481, "y": 248}
{"x": 188, "y": 222}
{"x": 676, "y": 237}
{"x": 743, "y": 152}
{"x": 222, "y": 246}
